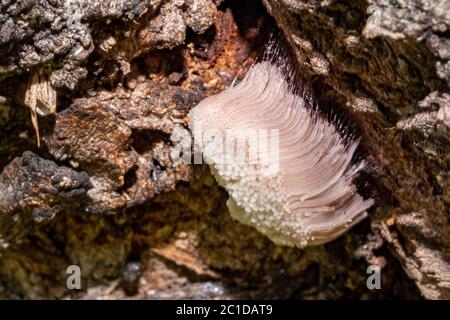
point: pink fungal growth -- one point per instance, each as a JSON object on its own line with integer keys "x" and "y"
{"x": 288, "y": 170}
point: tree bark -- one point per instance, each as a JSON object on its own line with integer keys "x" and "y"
{"x": 103, "y": 191}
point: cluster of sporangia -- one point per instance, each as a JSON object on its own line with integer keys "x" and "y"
{"x": 299, "y": 190}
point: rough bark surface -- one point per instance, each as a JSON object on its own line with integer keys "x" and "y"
{"x": 390, "y": 59}
{"x": 104, "y": 193}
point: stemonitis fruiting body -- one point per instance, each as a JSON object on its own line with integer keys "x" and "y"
{"x": 287, "y": 169}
